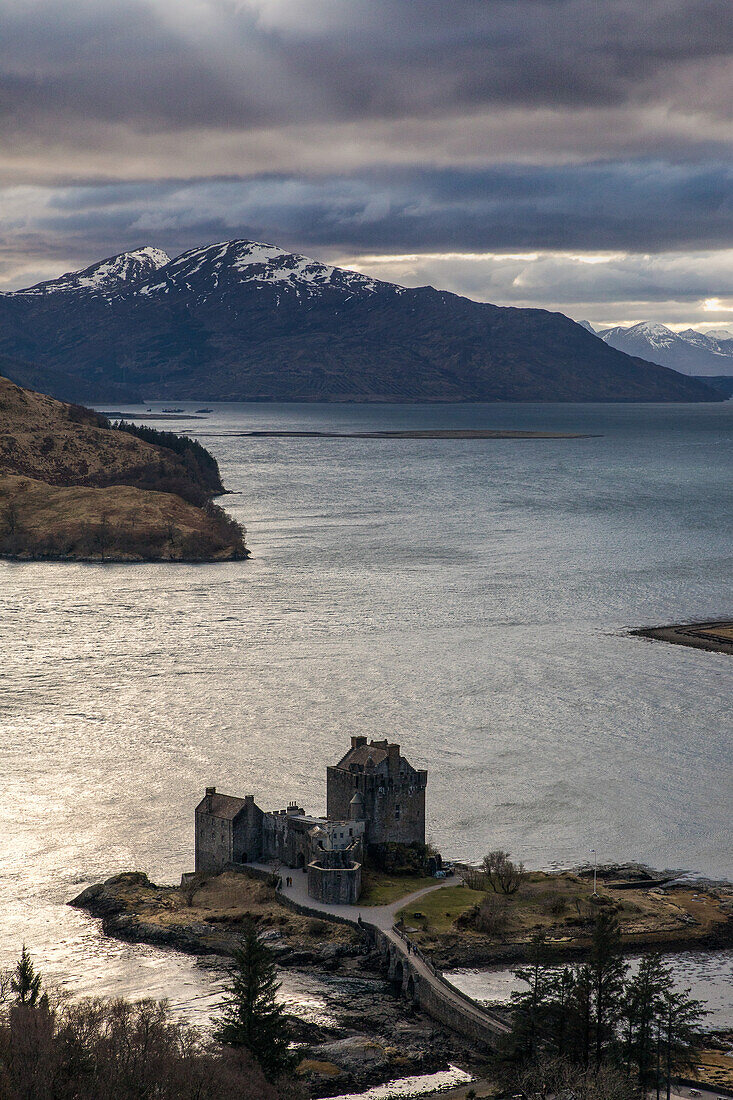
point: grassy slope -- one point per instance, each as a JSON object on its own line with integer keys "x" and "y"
{"x": 381, "y": 889}
{"x": 72, "y": 488}
{"x": 561, "y": 906}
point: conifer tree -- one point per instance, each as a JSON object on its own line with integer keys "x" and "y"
{"x": 642, "y": 1007}
{"x": 680, "y": 1018}
{"x": 608, "y": 970}
{"x": 252, "y": 1017}
{"x": 26, "y": 983}
{"x": 579, "y": 1026}
{"x": 532, "y": 1008}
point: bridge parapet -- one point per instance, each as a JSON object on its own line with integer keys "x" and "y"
{"x": 421, "y": 983}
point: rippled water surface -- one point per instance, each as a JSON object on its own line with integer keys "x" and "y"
{"x": 469, "y": 598}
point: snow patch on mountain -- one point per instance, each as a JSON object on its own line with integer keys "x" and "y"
{"x": 204, "y": 269}
{"x": 109, "y": 275}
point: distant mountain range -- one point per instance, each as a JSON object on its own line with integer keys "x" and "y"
{"x": 246, "y": 321}
{"x": 691, "y": 352}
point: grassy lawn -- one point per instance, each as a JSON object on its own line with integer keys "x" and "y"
{"x": 380, "y": 889}
{"x": 439, "y": 910}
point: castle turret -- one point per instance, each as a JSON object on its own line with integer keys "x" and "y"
{"x": 356, "y": 807}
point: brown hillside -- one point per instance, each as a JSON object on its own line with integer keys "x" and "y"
{"x": 68, "y": 445}
{"x": 73, "y": 488}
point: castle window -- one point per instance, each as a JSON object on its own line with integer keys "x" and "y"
{"x": 397, "y": 813}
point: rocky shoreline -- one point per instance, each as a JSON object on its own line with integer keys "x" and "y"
{"x": 386, "y": 1037}
{"x": 379, "y": 1036}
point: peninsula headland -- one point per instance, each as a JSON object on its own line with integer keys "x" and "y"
{"x": 75, "y": 487}
{"x": 715, "y": 636}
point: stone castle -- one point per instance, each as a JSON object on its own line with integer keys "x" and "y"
{"x": 373, "y": 796}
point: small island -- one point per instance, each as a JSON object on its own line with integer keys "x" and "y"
{"x": 421, "y": 433}
{"x": 716, "y": 636}
{"x": 76, "y": 487}
{"x": 360, "y": 894}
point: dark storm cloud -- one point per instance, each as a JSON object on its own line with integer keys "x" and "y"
{"x": 647, "y": 206}
{"x": 341, "y": 127}
{"x": 217, "y": 63}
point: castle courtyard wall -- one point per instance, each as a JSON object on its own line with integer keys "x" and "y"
{"x": 334, "y": 885}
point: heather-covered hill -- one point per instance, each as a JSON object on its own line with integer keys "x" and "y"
{"x": 74, "y": 487}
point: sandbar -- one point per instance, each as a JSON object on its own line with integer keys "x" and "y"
{"x": 715, "y": 636}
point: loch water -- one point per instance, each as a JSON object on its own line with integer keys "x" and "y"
{"x": 468, "y": 598}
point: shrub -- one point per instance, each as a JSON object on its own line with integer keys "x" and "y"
{"x": 492, "y": 917}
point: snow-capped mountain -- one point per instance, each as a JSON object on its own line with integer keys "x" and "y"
{"x": 689, "y": 351}
{"x": 242, "y": 320}
{"x": 720, "y": 334}
{"x": 230, "y": 264}
{"x": 587, "y": 326}
{"x": 116, "y": 273}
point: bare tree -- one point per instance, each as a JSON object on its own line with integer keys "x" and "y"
{"x": 502, "y": 873}
{"x": 103, "y": 535}
{"x": 473, "y": 878}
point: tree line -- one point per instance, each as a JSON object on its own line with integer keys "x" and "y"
{"x": 592, "y": 1021}
{"x": 200, "y": 463}
{"x": 52, "y": 1048}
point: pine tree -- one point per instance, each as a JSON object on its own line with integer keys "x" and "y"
{"x": 579, "y": 1028}
{"x": 532, "y": 1008}
{"x": 26, "y": 983}
{"x": 608, "y": 969}
{"x": 680, "y": 1018}
{"x": 562, "y": 990}
{"x": 643, "y": 1004}
{"x": 252, "y": 1018}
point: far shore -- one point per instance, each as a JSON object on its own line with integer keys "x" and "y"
{"x": 428, "y": 433}
{"x": 716, "y": 636}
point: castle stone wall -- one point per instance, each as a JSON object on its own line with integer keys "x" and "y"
{"x": 213, "y": 843}
{"x": 247, "y": 833}
{"x": 334, "y": 885}
{"x": 393, "y": 798}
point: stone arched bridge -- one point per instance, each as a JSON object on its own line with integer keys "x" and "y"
{"x": 416, "y": 977}
{"x": 422, "y": 984}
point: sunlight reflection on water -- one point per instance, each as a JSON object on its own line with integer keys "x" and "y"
{"x": 469, "y": 598}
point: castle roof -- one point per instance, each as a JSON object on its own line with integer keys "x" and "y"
{"x": 360, "y": 754}
{"x": 225, "y": 806}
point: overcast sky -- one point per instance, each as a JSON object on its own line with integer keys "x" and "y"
{"x": 571, "y": 154}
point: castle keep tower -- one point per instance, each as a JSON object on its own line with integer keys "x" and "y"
{"x": 374, "y": 782}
